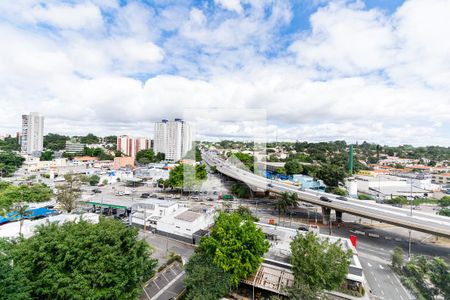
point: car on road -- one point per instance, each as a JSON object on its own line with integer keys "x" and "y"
{"x": 342, "y": 198}
{"x": 145, "y": 195}
{"x": 303, "y": 228}
{"x": 119, "y": 193}
{"x": 270, "y": 185}
{"x": 96, "y": 191}
{"x": 326, "y": 199}
{"x": 308, "y": 205}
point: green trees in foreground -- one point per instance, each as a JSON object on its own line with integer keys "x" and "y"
{"x": 233, "y": 251}
{"x": 76, "y": 261}
{"x": 318, "y": 265}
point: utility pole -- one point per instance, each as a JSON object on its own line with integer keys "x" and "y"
{"x": 409, "y": 240}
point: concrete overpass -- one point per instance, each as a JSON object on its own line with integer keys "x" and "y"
{"x": 419, "y": 221}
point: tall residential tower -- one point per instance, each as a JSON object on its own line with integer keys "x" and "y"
{"x": 32, "y": 140}
{"x": 173, "y": 138}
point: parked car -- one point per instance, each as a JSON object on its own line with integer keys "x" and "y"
{"x": 97, "y": 191}
{"x": 323, "y": 198}
{"x": 342, "y": 198}
{"x": 119, "y": 193}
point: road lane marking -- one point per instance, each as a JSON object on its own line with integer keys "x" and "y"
{"x": 381, "y": 267}
{"x": 369, "y": 264}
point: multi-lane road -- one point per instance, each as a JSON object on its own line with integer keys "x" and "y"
{"x": 420, "y": 221}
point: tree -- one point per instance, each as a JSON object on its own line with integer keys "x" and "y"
{"x": 89, "y": 139}
{"x": 10, "y": 163}
{"x": 311, "y": 260}
{"x": 14, "y": 284}
{"x": 445, "y": 201}
{"x": 105, "y": 181}
{"x": 186, "y": 176}
{"x": 47, "y": 155}
{"x": 55, "y": 142}
{"x": 10, "y": 194}
{"x": 160, "y": 156}
{"x": 21, "y": 211}
{"x": 440, "y": 276}
{"x": 69, "y": 192}
{"x": 204, "y": 280}
{"x": 245, "y": 213}
{"x": 397, "y": 258}
{"x": 235, "y": 245}
{"x": 84, "y": 261}
{"x": 94, "y": 180}
{"x": 145, "y": 156}
{"x": 331, "y": 174}
{"x": 281, "y": 204}
{"x": 281, "y": 171}
{"x": 338, "y": 191}
{"x": 444, "y": 212}
{"x": 293, "y": 167}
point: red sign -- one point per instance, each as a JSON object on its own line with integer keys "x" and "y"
{"x": 353, "y": 240}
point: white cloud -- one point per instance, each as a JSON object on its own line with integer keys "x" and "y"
{"x": 233, "y": 5}
{"x": 75, "y": 17}
{"x": 358, "y": 74}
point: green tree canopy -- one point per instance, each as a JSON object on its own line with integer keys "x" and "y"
{"x": 204, "y": 280}
{"x": 145, "y": 156}
{"x": 93, "y": 179}
{"x": 187, "y": 176}
{"x": 47, "y": 155}
{"x": 331, "y": 174}
{"x": 235, "y": 245}
{"x": 10, "y": 194}
{"x": 293, "y": 167}
{"x": 398, "y": 257}
{"x": 84, "y": 261}
{"x": 89, "y": 139}
{"x": 9, "y": 163}
{"x": 312, "y": 259}
{"x": 55, "y": 142}
{"x": 9, "y": 144}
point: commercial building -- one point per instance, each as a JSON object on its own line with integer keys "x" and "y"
{"x": 386, "y": 187}
{"x": 442, "y": 179}
{"x": 173, "y": 138}
{"x": 130, "y": 146}
{"x": 308, "y": 182}
{"x": 32, "y": 140}
{"x": 73, "y": 147}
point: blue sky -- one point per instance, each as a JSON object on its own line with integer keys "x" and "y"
{"x": 321, "y": 70}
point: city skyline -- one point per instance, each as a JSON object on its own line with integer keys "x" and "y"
{"x": 309, "y": 64}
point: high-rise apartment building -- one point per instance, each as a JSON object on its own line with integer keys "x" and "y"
{"x": 173, "y": 138}
{"x": 130, "y": 146}
{"x": 32, "y": 139}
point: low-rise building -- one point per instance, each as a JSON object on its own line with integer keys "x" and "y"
{"x": 74, "y": 147}
{"x": 308, "y": 182}
{"x": 442, "y": 179}
{"x": 123, "y": 162}
{"x": 278, "y": 256}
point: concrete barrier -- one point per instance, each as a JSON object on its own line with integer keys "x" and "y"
{"x": 374, "y": 235}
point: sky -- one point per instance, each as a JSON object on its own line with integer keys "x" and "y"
{"x": 375, "y": 70}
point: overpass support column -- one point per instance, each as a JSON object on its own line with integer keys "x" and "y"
{"x": 338, "y": 216}
{"x": 326, "y": 212}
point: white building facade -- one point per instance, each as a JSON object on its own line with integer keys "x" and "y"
{"x": 32, "y": 133}
{"x": 173, "y": 138}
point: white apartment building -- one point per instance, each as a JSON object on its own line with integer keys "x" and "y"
{"x": 32, "y": 133}
{"x": 173, "y": 138}
{"x": 130, "y": 146}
